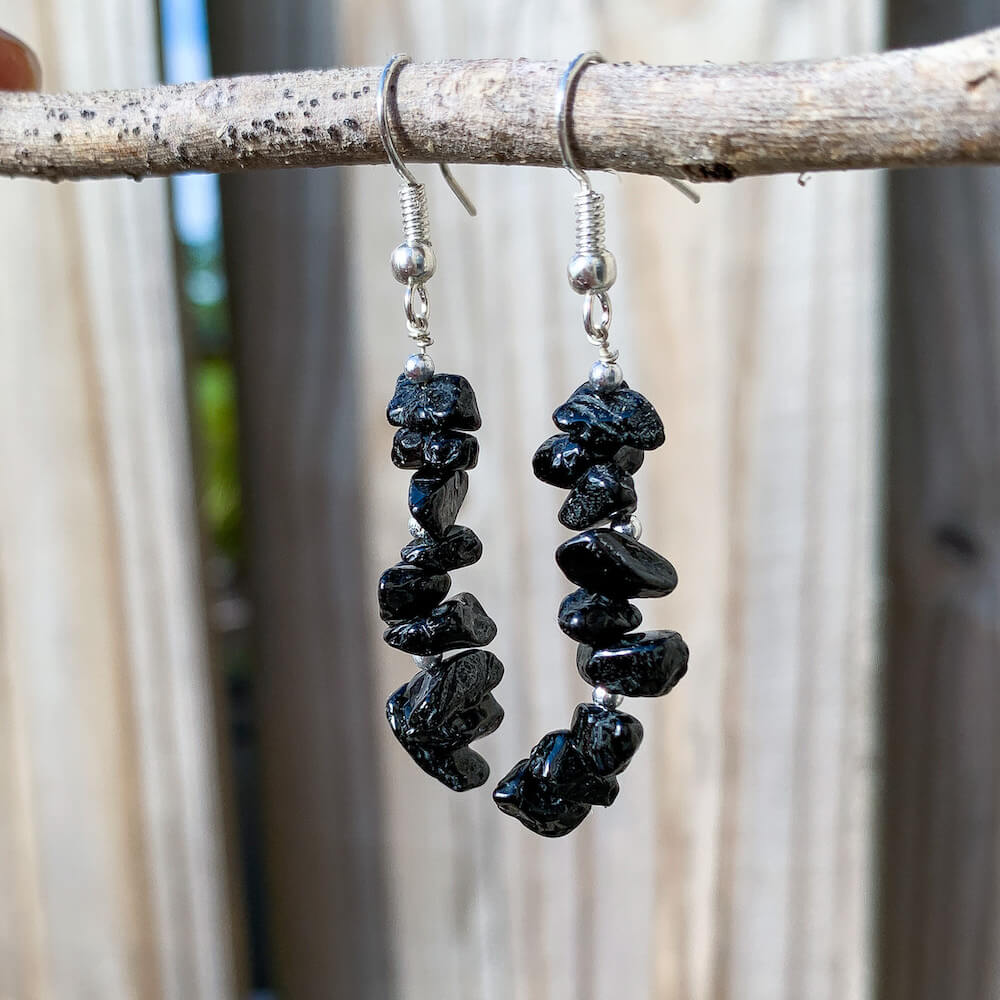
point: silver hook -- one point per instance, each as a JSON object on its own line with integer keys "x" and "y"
{"x": 392, "y": 67}
{"x": 563, "y": 95}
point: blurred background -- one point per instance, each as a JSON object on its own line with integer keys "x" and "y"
{"x": 199, "y": 797}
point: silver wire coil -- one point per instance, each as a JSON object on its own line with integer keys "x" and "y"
{"x": 416, "y": 219}
{"x": 590, "y": 225}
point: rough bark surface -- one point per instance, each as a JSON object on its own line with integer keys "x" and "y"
{"x": 932, "y": 105}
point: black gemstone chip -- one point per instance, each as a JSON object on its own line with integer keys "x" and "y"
{"x": 594, "y": 619}
{"x": 606, "y": 422}
{"x": 607, "y": 562}
{"x": 406, "y": 591}
{"x": 456, "y": 624}
{"x": 458, "y": 547}
{"x": 603, "y": 492}
{"x": 436, "y": 500}
{"x": 445, "y": 402}
{"x": 641, "y": 665}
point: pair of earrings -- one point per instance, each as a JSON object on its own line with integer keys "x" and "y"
{"x": 605, "y": 430}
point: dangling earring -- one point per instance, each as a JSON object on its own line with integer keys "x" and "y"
{"x": 448, "y": 704}
{"x": 606, "y": 430}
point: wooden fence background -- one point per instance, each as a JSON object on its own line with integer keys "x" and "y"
{"x": 740, "y": 860}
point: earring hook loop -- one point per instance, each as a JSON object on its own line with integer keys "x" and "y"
{"x": 389, "y": 72}
{"x": 564, "y": 93}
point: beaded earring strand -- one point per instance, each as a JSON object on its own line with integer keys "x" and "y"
{"x": 448, "y": 704}
{"x": 606, "y": 429}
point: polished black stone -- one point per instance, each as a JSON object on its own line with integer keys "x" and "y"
{"x": 436, "y": 500}
{"x": 457, "y": 624}
{"x": 595, "y": 619}
{"x": 605, "y": 422}
{"x": 445, "y": 402}
{"x": 556, "y": 762}
{"x": 406, "y": 591}
{"x": 407, "y": 449}
{"x": 607, "y": 738}
{"x": 643, "y": 665}
{"x": 536, "y": 806}
{"x": 607, "y": 562}
{"x": 461, "y": 769}
{"x": 601, "y": 492}
{"x": 444, "y": 452}
{"x": 460, "y": 546}
{"x": 629, "y": 459}
{"x": 561, "y": 461}
{"x": 451, "y": 706}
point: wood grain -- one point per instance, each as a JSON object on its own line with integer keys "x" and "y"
{"x": 941, "y": 838}
{"x": 112, "y": 873}
{"x": 735, "y": 864}
{"x": 705, "y": 122}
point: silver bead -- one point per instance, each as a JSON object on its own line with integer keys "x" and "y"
{"x": 604, "y": 698}
{"x": 631, "y": 527}
{"x": 419, "y": 368}
{"x": 427, "y": 662}
{"x": 413, "y": 262}
{"x": 593, "y": 271}
{"x": 417, "y": 530}
{"x": 605, "y": 377}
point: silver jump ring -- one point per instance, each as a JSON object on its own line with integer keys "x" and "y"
{"x": 597, "y": 317}
{"x": 416, "y": 306}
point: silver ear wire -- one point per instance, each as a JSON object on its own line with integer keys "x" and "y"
{"x": 413, "y": 261}
{"x": 392, "y": 67}
{"x": 592, "y": 269}
{"x": 563, "y": 95}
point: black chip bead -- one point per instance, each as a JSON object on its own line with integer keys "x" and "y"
{"x": 458, "y": 547}
{"x": 605, "y": 422}
{"x": 595, "y": 619}
{"x": 561, "y": 461}
{"x": 444, "y": 402}
{"x": 407, "y": 449}
{"x": 629, "y": 459}
{"x": 460, "y": 770}
{"x": 534, "y": 804}
{"x": 451, "y": 706}
{"x": 605, "y": 561}
{"x": 643, "y": 665}
{"x": 406, "y": 591}
{"x": 556, "y": 762}
{"x": 436, "y": 500}
{"x": 607, "y": 738}
{"x": 601, "y": 492}
{"x": 435, "y": 452}
{"x": 457, "y": 624}
{"x": 446, "y": 452}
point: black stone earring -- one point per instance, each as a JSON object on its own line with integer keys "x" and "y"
{"x": 606, "y": 428}
{"x": 448, "y": 704}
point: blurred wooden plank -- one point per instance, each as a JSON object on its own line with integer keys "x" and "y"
{"x": 735, "y": 864}
{"x": 112, "y": 880}
{"x": 315, "y": 711}
{"x": 941, "y": 840}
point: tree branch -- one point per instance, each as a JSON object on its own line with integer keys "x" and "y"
{"x": 912, "y": 107}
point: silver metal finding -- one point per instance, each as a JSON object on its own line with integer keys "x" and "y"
{"x": 413, "y": 262}
{"x": 392, "y": 67}
{"x": 603, "y": 697}
{"x": 592, "y": 270}
{"x": 631, "y": 527}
